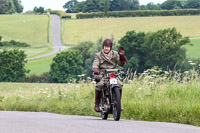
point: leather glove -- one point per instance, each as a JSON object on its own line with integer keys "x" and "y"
{"x": 121, "y": 53}
{"x": 96, "y": 70}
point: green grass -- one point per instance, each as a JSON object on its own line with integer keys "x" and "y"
{"x": 31, "y": 29}
{"x": 39, "y": 66}
{"x": 148, "y": 99}
{"x": 78, "y": 30}
{"x": 193, "y": 51}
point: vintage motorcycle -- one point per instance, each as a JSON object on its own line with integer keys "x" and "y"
{"x": 110, "y": 101}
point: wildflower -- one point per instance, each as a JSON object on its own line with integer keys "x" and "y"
{"x": 186, "y": 72}
{"x": 190, "y": 61}
{"x": 192, "y": 64}
{"x": 166, "y": 72}
{"x": 139, "y": 88}
{"x": 93, "y": 82}
{"x": 199, "y": 65}
{"x": 151, "y": 83}
{"x": 88, "y": 78}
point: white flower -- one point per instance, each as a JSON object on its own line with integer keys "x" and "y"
{"x": 192, "y": 64}
{"x": 151, "y": 83}
{"x": 186, "y": 72}
{"x": 93, "y": 82}
{"x": 166, "y": 72}
{"x": 190, "y": 61}
{"x": 139, "y": 88}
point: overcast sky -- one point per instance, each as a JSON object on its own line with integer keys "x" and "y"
{"x": 58, "y": 4}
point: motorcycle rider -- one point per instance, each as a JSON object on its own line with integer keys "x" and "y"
{"x": 106, "y": 59}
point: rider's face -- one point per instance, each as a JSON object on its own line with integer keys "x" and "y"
{"x": 106, "y": 49}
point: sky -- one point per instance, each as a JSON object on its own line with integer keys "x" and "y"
{"x": 58, "y": 4}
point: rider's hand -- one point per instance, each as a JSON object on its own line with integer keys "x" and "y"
{"x": 121, "y": 51}
{"x": 96, "y": 70}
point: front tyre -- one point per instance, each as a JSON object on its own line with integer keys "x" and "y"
{"x": 116, "y": 104}
{"x": 104, "y": 116}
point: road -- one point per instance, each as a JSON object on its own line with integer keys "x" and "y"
{"x": 40, "y": 122}
{"x": 56, "y": 37}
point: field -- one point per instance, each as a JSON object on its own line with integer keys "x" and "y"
{"x": 145, "y": 98}
{"x": 193, "y": 51}
{"x": 39, "y": 66}
{"x": 32, "y": 29}
{"x": 78, "y": 30}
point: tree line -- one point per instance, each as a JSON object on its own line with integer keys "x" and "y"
{"x": 10, "y": 6}
{"x": 73, "y": 6}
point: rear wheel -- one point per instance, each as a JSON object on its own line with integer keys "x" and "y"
{"x": 116, "y": 104}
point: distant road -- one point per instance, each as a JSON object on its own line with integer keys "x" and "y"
{"x": 56, "y": 37}
{"x": 39, "y": 122}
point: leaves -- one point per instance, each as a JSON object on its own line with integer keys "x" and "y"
{"x": 66, "y": 66}
{"x": 12, "y": 65}
{"x": 163, "y": 48}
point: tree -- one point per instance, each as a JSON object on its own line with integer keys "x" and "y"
{"x": 152, "y": 6}
{"x": 38, "y": 10}
{"x": 70, "y": 5}
{"x": 163, "y": 48}
{"x": 66, "y": 66}
{"x": 18, "y": 6}
{"x": 6, "y": 7}
{"x": 119, "y": 5}
{"x": 173, "y": 4}
{"x": 193, "y": 4}
{"x": 12, "y": 68}
{"x": 10, "y": 6}
{"x": 106, "y": 8}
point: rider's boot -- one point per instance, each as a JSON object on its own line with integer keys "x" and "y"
{"x": 121, "y": 98}
{"x": 97, "y": 100}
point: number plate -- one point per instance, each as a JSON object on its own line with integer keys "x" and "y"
{"x": 113, "y": 81}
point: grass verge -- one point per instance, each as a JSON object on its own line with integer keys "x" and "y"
{"x": 147, "y": 99}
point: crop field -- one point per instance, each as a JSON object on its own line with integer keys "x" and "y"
{"x": 146, "y": 98}
{"x": 31, "y": 29}
{"x": 78, "y": 30}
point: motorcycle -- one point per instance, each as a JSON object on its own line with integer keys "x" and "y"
{"x": 110, "y": 101}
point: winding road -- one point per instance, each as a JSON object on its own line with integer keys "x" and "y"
{"x": 56, "y": 37}
{"x": 40, "y": 122}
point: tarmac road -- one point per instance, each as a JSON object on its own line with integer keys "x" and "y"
{"x": 56, "y": 37}
{"x": 40, "y": 122}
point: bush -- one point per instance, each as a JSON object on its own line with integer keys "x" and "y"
{"x": 66, "y": 66}
{"x": 139, "y": 13}
{"x": 43, "y": 78}
{"x": 163, "y": 48}
{"x": 60, "y": 13}
{"x": 13, "y": 43}
{"x": 12, "y": 68}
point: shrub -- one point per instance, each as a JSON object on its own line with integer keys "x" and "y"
{"x": 162, "y": 48}
{"x": 139, "y": 13}
{"x": 66, "y": 66}
{"x": 43, "y": 78}
{"x": 12, "y": 68}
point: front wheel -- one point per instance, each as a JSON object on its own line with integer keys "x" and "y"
{"x": 116, "y": 104}
{"x": 104, "y": 116}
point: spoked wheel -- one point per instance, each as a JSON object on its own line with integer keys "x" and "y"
{"x": 104, "y": 116}
{"x": 117, "y": 104}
